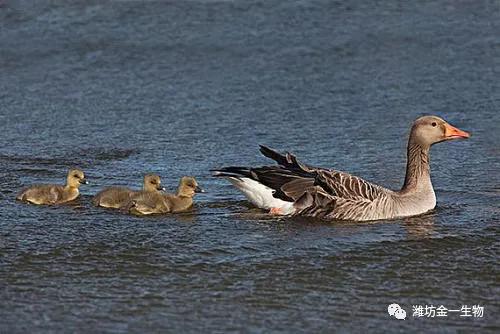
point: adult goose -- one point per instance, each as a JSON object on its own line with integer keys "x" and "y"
{"x": 293, "y": 188}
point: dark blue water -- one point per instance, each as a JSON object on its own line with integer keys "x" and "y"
{"x": 122, "y": 88}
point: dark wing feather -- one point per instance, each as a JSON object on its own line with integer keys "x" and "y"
{"x": 315, "y": 203}
{"x": 274, "y": 177}
{"x": 289, "y": 172}
{"x": 288, "y": 161}
{"x": 232, "y": 171}
{"x": 296, "y": 188}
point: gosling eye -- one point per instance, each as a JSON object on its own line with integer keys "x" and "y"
{"x": 153, "y": 182}
{"x": 434, "y": 124}
{"x": 76, "y": 175}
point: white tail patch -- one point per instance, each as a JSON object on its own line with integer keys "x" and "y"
{"x": 261, "y": 195}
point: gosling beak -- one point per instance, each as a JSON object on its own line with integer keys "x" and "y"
{"x": 84, "y": 181}
{"x": 451, "y": 132}
{"x": 198, "y": 190}
{"x": 161, "y": 188}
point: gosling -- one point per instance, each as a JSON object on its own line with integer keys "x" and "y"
{"x": 53, "y": 193}
{"x": 156, "y": 203}
{"x": 118, "y": 197}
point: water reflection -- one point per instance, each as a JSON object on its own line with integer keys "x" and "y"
{"x": 420, "y": 227}
{"x": 189, "y": 217}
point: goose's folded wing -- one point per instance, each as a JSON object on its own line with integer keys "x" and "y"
{"x": 334, "y": 183}
{"x": 317, "y": 203}
{"x": 298, "y": 177}
{"x": 340, "y": 195}
{"x": 347, "y": 186}
{"x": 295, "y": 188}
{"x": 287, "y": 185}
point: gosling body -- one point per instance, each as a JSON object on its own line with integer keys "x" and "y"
{"x": 117, "y": 197}
{"x": 145, "y": 203}
{"x": 48, "y": 194}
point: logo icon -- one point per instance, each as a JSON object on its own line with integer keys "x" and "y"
{"x": 396, "y": 311}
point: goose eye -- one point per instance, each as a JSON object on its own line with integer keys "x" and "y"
{"x": 75, "y": 175}
{"x": 434, "y": 124}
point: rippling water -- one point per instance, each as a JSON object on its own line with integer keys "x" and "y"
{"x": 122, "y": 88}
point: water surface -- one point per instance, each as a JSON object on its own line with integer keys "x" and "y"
{"x": 121, "y": 88}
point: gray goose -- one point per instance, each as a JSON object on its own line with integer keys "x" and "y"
{"x": 54, "y": 193}
{"x": 293, "y": 188}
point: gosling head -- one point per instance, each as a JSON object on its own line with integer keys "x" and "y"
{"x": 188, "y": 187}
{"x": 429, "y": 130}
{"x": 152, "y": 182}
{"x": 76, "y": 178}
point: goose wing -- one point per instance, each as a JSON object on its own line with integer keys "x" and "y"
{"x": 303, "y": 189}
{"x": 321, "y": 182}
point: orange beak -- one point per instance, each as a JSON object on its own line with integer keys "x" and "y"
{"x": 451, "y": 132}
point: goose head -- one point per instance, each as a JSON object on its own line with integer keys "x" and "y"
{"x": 152, "y": 182}
{"x": 75, "y": 178}
{"x": 188, "y": 187}
{"x": 429, "y": 130}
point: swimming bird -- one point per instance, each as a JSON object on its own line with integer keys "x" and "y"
{"x": 53, "y": 193}
{"x": 117, "y": 197}
{"x": 147, "y": 203}
{"x": 293, "y": 188}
